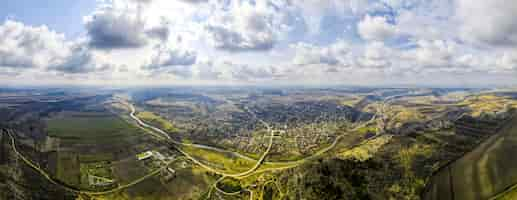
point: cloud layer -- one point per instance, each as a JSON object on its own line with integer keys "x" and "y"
{"x": 450, "y": 42}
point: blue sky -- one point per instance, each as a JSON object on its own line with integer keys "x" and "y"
{"x": 280, "y": 42}
{"x": 61, "y": 15}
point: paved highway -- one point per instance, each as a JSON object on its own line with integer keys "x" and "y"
{"x": 190, "y": 157}
{"x": 163, "y": 135}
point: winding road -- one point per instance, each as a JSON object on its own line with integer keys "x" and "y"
{"x": 163, "y": 135}
{"x": 190, "y": 157}
{"x": 74, "y": 190}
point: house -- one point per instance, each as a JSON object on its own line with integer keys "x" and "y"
{"x": 99, "y": 181}
{"x": 144, "y": 155}
{"x": 172, "y": 171}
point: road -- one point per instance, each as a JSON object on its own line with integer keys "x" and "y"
{"x": 190, "y": 157}
{"x": 74, "y": 190}
{"x": 163, "y": 135}
{"x": 286, "y": 164}
{"x": 236, "y": 154}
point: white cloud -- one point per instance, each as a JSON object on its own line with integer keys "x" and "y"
{"x": 165, "y": 57}
{"x": 488, "y": 22}
{"x": 508, "y": 61}
{"x": 29, "y": 47}
{"x": 307, "y": 54}
{"x": 39, "y": 48}
{"x": 314, "y": 11}
{"x": 376, "y": 28}
{"x": 377, "y": 55}
{"x": 245, "y": 72}
{"x": 435, "y": 54}
{"x": 341, "y": 41}
{"x": 195, "y": 1}
{"x": 207, "y": 71}
{"x": 244, "y": 26}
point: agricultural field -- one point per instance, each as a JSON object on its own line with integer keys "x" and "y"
{"x": 89, "y": 126}
{"x": 93, "y": 133}
{"x": 99, "y": 170}
{"x": 88, "y": 144}
{"x": 484, "y": 172}
{"x": 189, "y": 182}
{"x": 74, "y": 168}
{"x": 488, "y": 104}
{"x": 258, "y": 100}
{"x": 363, "y": 146}
{"x": 68, "y": 166}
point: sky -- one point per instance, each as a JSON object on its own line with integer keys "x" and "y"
{"x": 259, "y": 42}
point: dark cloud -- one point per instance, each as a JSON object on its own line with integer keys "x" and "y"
{"x": 107, "y": 30}
{"x": 248, "y": 73}
{"x": 15, "y": 61}
{"x": 164, "y": 58}
{"x": 161, "y": 32}
{"x": 80, "y": 60}
{"x": 252, "y": 31}
{"x": 184, "y": 72}
{"x": 110, "y": 28}
{"x": 254, "y": 26}
{"x": 226, "y": 39}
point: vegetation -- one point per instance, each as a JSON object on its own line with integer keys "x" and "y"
{"x": 221, "y": 161}
{"x": 329, "y": 179}
{"x": 391, "y": 157}
{"x": 509, "y": 195}
{"x": 487, "y": 104}
{"x": 351, "y": 101}
{"x": 68, "y": 168}
{"x": 98, "y": 169}
{"x": 367, "y": 150}
{"x": 367, "y": 130}
{"x": 472, "y": 175}
{"x": 90, "y": 128}
{"x": 230, "y": 185}
{"x": 158, "y": 121}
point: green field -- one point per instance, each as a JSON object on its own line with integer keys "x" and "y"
{"x": 90, "y": 129}
{"x": 68, "y": 168}
{"x": 157, "y": 121}
{"x": 482, "y": 173}
{"x": 89, "y": 138}
{"x": 224, "y": 162}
